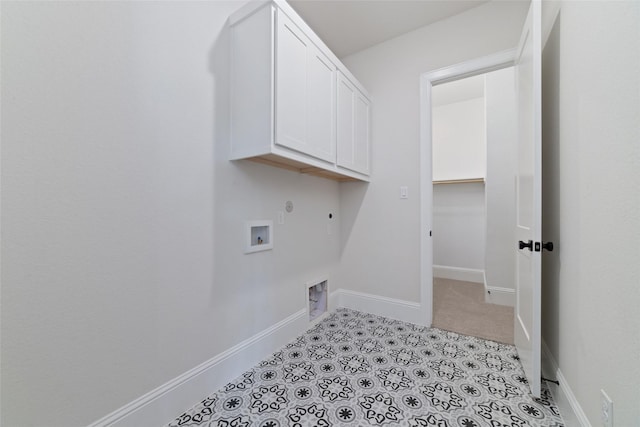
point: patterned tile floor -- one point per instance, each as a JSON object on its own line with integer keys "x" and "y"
{"x": 357, "y": 369}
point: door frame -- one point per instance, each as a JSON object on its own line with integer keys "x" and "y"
{"x": 429, "y": 79}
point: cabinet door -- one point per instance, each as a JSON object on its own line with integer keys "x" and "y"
{"x": 305, "y": 103}
{"x": 321, "y": 116}
{"x": 352, "y": 127}
{"x": 291, "y": 85}
{"x": 345, "y": 121}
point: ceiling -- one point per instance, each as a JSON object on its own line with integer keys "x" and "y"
{"x": 348, "y": 26}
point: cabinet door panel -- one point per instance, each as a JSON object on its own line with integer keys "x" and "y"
{"x": 305, "y": 94}
{"x": 291, "y": 85}
{"x": 353, "y": 127}
{"x": 345, "y": 122}
{"x": 321, "y": 106}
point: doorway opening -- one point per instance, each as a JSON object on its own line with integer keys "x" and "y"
{"x": 473, "y": 169}
{"x": 466, "y": 185}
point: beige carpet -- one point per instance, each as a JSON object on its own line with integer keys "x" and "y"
{"x": 460, "y": 307}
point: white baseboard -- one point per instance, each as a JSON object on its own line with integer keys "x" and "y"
{"x": 459, "y": 273}
{"x": 406, "y": 311}
{"x": 162, "y": 405}
{"x": 501, "y": 296}
{"x": 334, "y": 300}
{"x": 570, "y": 409}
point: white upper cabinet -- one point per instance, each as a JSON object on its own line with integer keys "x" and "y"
{"x": 353, "y": 127}
{"x": 291, "y": 86}
{"x": 287, "y": 108}
{"x": 305, "y": 88}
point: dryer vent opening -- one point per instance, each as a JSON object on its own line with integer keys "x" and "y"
{"x": 317, "y": 299}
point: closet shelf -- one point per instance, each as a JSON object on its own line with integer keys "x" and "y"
{"x": 460, "y": 181}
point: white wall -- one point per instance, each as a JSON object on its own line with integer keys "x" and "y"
{"x": 459, "y": 223}
{"x": 501, "y": 114}
{"x": 474, "y": 223}
{"x": 381, "y": 233}
{"x": 459, "y": 151}
{"x": 122, "y": 251}
{"x": 591, "y": 204}
{"x": 459, "y": 139}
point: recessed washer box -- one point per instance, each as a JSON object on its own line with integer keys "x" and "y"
{"x": 258, "y": 236}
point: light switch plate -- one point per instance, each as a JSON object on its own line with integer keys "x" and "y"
{"x": 404, "y": 192}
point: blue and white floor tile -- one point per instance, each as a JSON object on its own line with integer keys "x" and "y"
{"x": 357, "y": 369}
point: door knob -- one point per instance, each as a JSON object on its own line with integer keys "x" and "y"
{"x": 543, "y": 245}
{"x": 528, "y": 245}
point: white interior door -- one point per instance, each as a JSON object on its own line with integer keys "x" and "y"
{"x": 529, "y": 199}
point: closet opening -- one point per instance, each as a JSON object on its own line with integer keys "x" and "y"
{"x": 473, "y": 134}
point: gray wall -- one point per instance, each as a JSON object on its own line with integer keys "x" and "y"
{"x": 381, "y": 247}
{"x": 122, "y": 219}
{"x": 122, "y": 262}
{"x": 459, "y": 223}
{"x": 591, "y": 158}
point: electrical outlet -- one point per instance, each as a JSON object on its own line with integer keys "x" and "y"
{"x": 607, "y": 410}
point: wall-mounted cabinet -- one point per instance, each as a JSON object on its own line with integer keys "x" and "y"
{"x": 293, "y": 103}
